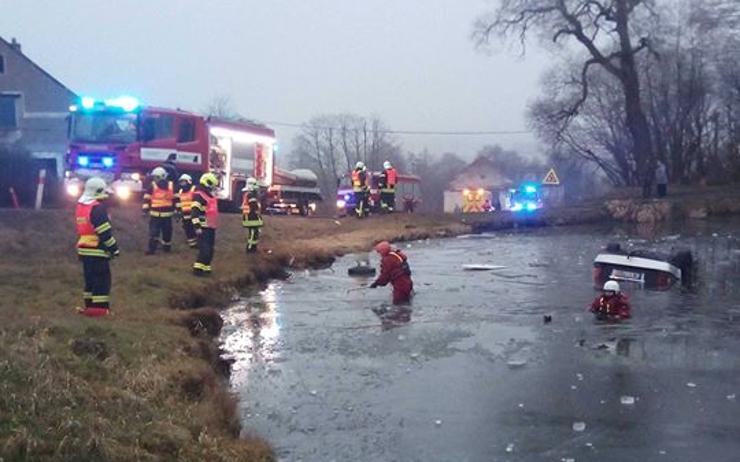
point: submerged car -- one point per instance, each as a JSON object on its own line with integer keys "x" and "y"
{"x": 647, "y": 268}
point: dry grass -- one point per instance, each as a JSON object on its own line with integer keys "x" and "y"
{"x": 141, "y": 384}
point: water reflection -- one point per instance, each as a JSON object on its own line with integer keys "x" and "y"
{"x": 252, "y": 332}
{"x": 393, "y": 315}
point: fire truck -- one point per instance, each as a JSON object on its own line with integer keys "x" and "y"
{"x": 122, "y": 141}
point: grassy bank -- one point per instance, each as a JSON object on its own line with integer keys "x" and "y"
{"x": 144, "y": 383}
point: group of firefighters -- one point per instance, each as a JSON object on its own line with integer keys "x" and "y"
{"x": 362, "y": 182}
{"x": 195, "y": 206}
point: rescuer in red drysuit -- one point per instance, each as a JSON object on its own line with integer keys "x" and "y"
{"x": 612, "y": 305}
{"x": 394, "y": 269}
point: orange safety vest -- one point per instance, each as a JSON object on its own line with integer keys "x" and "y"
{"x": 88, "y": 244}
{"x": 391, "y": 177}
{"x": 357, "y": 183}
{"x": 211, "y": 210}
{"x": 162, "y": 198}
{"x": 186, "y": 200}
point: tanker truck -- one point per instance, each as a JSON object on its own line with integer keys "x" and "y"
{"x": 121, "y": 141}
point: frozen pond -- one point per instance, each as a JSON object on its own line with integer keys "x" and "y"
{"x": 471, "y": 372}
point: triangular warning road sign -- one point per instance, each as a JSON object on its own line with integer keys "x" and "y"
{"x": 551, "y": 178}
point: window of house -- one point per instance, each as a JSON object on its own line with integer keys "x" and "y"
{"x": 186, "y": 132}
{"x": 2, "y": 64}
{"x": 8, "y": 112}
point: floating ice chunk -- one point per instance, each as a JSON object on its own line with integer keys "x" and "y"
{"x": 627, "y": 400}
{"x": 662, "y": 452}
{"x": 731, "y": 397}
{"x": 516, "y": 363}
{"x": 573, "y": 387}
{"x": 521, "y": 405}
{"x": 579, "y": 426}
{"x": 414, "y": 355}
{"x": 313, "y": 392}
{"x": 510, "y": 447}
{"x": 567, "y": 459}
{"x": 579, "y": 376}
{"x": 691, "y": 385}
{"x": 438, "y": 422}
{"x": 401, "y": 337}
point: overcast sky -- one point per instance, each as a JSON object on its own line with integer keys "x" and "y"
{"x": 410, "y": 62}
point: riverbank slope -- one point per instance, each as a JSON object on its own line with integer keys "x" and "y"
{"x": 144, "y": 383}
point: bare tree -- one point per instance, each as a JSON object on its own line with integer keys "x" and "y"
{"x": 604, "y": 30}
{"x": 222, "y": 107}
{"x": 332, "y": 144}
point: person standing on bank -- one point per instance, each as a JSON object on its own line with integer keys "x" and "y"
{"x": 204, "y": 211}
{"x": 184, "y": 203}
{"x": 252, "y": 214}
{"x": 661, "y": 179}
{"x": 387, "y": 183}
{"x": 95, "y": 247}
{"x": 159, "y": 205}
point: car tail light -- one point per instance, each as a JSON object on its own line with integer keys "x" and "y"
{"x": 597, "y": 272}
{"x": 662, "y": 281}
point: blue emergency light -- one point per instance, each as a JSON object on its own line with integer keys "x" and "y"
{"x": 107, "y": 162}
{"x": 83, "y": 161}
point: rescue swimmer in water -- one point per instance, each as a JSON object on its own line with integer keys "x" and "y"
{"x": 612, "y": 305}
{"x": 394, "y": 269}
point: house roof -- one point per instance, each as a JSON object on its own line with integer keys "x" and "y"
{"x": 32, "y": 63}
{"x": 481, "y": 173}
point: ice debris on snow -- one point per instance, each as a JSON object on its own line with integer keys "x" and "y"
{"x": 579, "y": 426}
{"x": 627, "y": 400}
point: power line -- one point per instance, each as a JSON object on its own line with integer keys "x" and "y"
{"x": 410, "y": 132}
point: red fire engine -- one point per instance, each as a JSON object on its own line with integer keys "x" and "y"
{"x": 122, "y": 141}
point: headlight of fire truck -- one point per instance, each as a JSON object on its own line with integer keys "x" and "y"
{"x": 340, "y": 204}
{"x": 73, "y": 189}
{"x": 123, "y": 192}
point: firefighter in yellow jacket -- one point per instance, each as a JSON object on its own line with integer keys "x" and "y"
{"x": 159, "y": 205}
{"x": 361, "y": 188}
{"x": 204, "y": 213}
{"x": 252, "y": 214}
{"x": 184, "y": 204}
{"x": 95, "y": 247}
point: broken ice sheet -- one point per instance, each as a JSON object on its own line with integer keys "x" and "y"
{"x": 579, "y": 426}
{"x": 628, "y": 400}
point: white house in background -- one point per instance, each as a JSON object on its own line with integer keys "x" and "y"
{"x": 33, "y": 107}
{"x": 481, "y": 174}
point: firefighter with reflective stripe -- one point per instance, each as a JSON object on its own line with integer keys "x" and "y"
{"x": 204, "y": 214}
{"x": 95, "y": 247}
{"x": 361, "y": 190}
{"x": 252, "y": 214}
{"x": 612, "y": 305}
{"x": 159, "y": 204}
{"x": 183, "y": 204}
{"x": 394, "y": 269}
{"x": 387, "y": 185}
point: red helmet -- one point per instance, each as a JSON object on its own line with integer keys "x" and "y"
{"x": 383, "y": 248}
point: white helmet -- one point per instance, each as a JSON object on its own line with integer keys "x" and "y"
{"x": 187, "y": 178}
{"x": 251, "y": 184}
{"x": 359, "y": 166}
{"x": 611, "y": 286}
{"x": 95, "y": 188}
{"x": 387, "y": 164}
{"x": 159, "y": 173}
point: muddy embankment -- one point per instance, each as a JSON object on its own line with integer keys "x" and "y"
{"x": 624, "y": 206}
